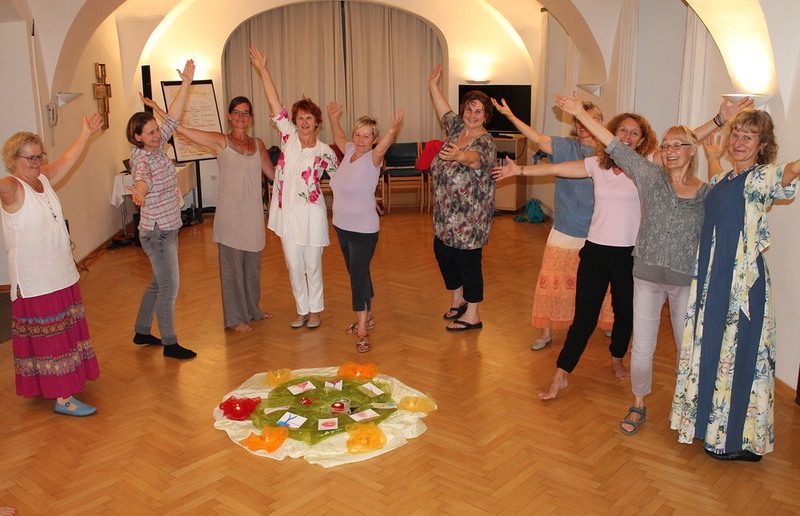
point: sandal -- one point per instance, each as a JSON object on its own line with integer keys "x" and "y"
{"x": 459, "y": 310}
{"x": 635, "y": 424}
{"x": 353, "y": 328}
{"x": 363, "y": 345}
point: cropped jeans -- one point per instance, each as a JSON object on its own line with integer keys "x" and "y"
{"x": 161, "y": 247}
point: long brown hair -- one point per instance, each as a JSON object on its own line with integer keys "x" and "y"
{"x": 646, "y": 146}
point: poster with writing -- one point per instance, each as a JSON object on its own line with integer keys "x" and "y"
{"x": 200, "y": 113}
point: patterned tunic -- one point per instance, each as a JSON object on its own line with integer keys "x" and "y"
{"x": 463, "y": 196}
{"x": 725, "y": 386}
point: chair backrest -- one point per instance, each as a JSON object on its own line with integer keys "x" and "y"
{"x": 401, "y": 155}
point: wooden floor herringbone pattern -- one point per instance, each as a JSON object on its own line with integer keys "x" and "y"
{"x": 492, "y": 448}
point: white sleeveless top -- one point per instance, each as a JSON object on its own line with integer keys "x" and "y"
{"x": 40, "y": 258}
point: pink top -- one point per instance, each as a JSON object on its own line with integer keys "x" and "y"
{"x": 617, "y": 211}
{"x": 354, "y": 193}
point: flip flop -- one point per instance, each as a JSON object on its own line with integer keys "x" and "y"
{"x": 363, "y": 345}
{"x": 459, "y": 310}
{"x": 465, "y": 326}
{"x": 635, "y": 424}
{"x": 353, "y": 328}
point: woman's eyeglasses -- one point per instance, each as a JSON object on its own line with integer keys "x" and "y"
{"x": 673, "y": 146}
{"x": 240, "y": 113}
{"x": 35, "y": 158}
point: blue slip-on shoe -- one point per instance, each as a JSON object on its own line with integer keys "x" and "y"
{"x": 81, "y": 408}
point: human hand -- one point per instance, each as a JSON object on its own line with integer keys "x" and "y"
{"x": 148, "y": 102}
{"x": 502, "y": 107}
{"x": 713, "y": 147}
{"x": 510, "y": 168}
{"x": 728, "y": 108}
{"x": 258, "y": 59}
{"x": 187, "y": 75}
{"x": 397, "y": 119}
{"x": 450, "y": 152}
{"x": 136, "y": 196}
{"x": 92, "y": 124}
{"x": 335, "y": 110}
{"x": 573, "y": 105}
{"x": 433, "y": 79}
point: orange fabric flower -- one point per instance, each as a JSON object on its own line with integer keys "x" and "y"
{"x": 271, "y": 439}
{"x": 238, "y": 409}
{"x": 365, "y": 437}
{"x": 360, "y": 371}
{"x": 277, "y": 377}
{"x": 418, "y": 404}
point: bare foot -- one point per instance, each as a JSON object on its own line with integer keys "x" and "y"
{"x": 620, "y": 371}
{"x": 559, "y": 382}
{"x": 8, "y": 511}
{"x": 241, "y": 328}
{"x": 267, "y": 315}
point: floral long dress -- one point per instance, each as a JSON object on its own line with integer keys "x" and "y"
{"x": 725, "y": 386}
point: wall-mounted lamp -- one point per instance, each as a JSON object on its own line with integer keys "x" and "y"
{"x": 594, "y": 89}
{"x": 65, "y": 98}
{"x": 477, "y": 81}
{"x": 758, "y": 99}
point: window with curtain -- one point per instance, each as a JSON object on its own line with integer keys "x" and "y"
{"x": 371, "y": 58}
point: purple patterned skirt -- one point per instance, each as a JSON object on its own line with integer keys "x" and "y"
{"x": 53, "y": 354}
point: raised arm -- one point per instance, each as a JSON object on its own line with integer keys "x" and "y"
{"x": 211, "y": 139}
{"x": 439, "y": 101}
{"x": 574, "y": 107}
{"x": 259, "y": 60}
{"x": 388, "y": 138}
{"x": 713, "y": 150}
{"x": 152, "y": 105}
{"x": 57, "y": 170}
{"x": 266, "y": 163}
{"x": 543, "y": 141}
{"x": 727, "y": 110}
{"x": 187, "y": 75}
{"x": 335, "y": 116}
{"x": 565, "y": 169}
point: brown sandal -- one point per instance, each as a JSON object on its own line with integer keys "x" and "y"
{"x": 353, "y": 328}
{"x": 363, "y": 345}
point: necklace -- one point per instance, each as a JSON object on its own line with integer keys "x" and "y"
{"x": 43, "y": 195}
{"x": 731, "y": 175}
{"x": 244, "y": 145}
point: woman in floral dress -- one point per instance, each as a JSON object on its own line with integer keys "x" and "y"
{"x": 725, "y": 387}
{"x": 463, "y": 193}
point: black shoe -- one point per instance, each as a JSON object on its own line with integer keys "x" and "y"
{"x": 745, "y": 455}
{"x": 142, "y": 339}
{"x": 178, "y": 351}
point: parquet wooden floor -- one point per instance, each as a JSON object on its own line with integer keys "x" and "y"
{"x": 491, "y": 448}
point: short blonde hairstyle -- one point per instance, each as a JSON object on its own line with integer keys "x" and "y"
{"x": 366, "y": 121}
{"x": 14, "y": 144}
{"x": 686, "y": 135}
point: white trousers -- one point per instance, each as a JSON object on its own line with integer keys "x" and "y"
{"x": 305, "y": 274}
{"x": 648, "y": 299}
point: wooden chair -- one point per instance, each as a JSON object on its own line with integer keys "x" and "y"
{"x": 400, "y": 172}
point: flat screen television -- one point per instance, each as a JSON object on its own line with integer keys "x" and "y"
{"x": 518, "y": 98}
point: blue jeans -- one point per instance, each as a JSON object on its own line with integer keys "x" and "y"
{"x": 161, "y": 247}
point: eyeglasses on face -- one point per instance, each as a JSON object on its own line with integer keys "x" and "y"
{"x": 33, "y": 159}
{"x": 240, "y": 113}
{"x": 673, "y": 146}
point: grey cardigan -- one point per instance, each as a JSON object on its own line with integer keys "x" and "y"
{"x": 670, "y": 230}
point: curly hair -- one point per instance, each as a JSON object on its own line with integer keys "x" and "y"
{"x": 486, "y": 102}
{"x": 647, "y": 145}
{"x": 15, "y": 143}
{"x": 307, "y": 105}
{"x": 758, "y": 122}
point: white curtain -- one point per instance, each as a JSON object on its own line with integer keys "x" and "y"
{"x": 371, "y": 58}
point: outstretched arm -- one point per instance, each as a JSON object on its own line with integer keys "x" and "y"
{"x": 565, "y": 169}
{"x": 211, "y": 139}
{"x": 259, "y": 60}
{"x": 388, "y": 137}
{"x": 152, "y": 105}
{"x": 439, "y": 101}
{"x": 727, "y": 110}
{"x": 335, "y": 116}
{"x": 57, "y": 170}
{"x": 187, "y": 75}
{"x": 544, "y": 142}
{"x": 791, "y": 172}
{"x": 266, "y": 163}
{"x": 713, "y": 150}
{"x": 574, "y": 107}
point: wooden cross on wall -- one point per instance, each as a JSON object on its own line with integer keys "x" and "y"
{"x": 102, "y": 92}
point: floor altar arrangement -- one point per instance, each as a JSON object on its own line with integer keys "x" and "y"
{"x": 327, "y": 415}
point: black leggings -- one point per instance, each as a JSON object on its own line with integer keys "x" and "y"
{"x": 599, "y": 266}
{"x": 358, "y": 249}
